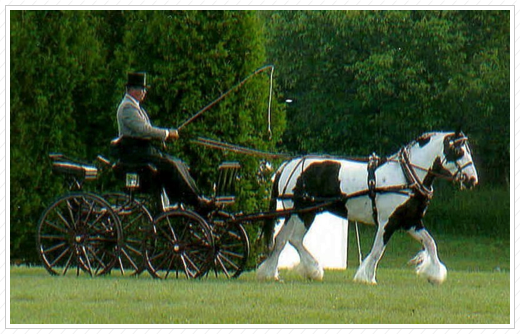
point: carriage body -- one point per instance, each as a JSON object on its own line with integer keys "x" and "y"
{"x": 82, "y": 231}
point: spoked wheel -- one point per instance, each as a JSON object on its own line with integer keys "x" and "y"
{"x": 231, "y": 249}
{"x": 77, "y": 232}
{"x": 137, "y": 223}
{"x": 182, "y": 245}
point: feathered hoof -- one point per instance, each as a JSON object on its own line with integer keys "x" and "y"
{"x": 263, "y": 273}
{"x": 367, "y": 282}
{"x": 436, "y": 275}
{"x": 267, "y": 278}
{"x": 434, "y": 271}
{"x": 314, "y": 274}
{"x": 360, "y": 278}
{"x": 418, "y": 259}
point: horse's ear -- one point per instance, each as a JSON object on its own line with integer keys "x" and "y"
{"x": 458, "y": 133}
{"x": 424, "y": 139}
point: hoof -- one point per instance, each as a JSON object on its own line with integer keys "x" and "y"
{"x": 262, "y": 276}
{"x": 363, "y": 281}
{"x": 359, "y": 278}
{"x": 313, "y": 274}
{"x": 434, "y": 272}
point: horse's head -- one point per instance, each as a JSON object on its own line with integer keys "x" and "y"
{"x": 457, "y": 160}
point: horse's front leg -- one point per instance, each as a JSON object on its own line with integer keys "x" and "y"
{"x": 427, "y": 260}
{"x": 366, "y": 272}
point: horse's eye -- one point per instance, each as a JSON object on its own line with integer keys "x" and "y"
{"x": 454, "y": 153}
{"x": 459, "y": 153}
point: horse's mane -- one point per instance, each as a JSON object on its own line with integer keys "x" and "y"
{"x": 421, "y": 140}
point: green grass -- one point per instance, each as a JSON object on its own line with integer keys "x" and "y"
{"x": 464, "y": 253}
{"x": 477, "y": 291}
{"x": 400, "y": 298}
{"x": 483, "y": 211}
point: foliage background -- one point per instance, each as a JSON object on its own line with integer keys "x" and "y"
{"x": 68, "y": 71}
{"x": 366, "y": 81}
{"x": 361, "y": 81}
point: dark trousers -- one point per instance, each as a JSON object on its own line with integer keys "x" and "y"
{"x": 176, "y": 179}
{"x": 172, "y": 173}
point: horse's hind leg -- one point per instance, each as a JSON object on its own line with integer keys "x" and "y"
{"x": 269, "y": 268}
{"x": 427, "y": 261}
{"x": 309, "y": 267}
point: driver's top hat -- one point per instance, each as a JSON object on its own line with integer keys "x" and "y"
{"x": 137, "y": 80}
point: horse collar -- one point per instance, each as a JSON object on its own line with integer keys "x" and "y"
{"x": 415, "y": 184}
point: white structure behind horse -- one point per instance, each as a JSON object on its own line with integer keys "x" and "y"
{"x": 326, "y": 240}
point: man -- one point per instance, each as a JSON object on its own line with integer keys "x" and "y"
{"x": 132, "y": 119}
{"x": 135, "y": 144}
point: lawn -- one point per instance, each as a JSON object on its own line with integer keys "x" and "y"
{"x": 400, "y": 298}
{"x": 477, "y": 292}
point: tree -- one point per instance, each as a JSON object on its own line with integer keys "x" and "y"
{"x": 366, "y": 81}
{"x": 192, "y": 57}
{"x": 68, "y": 74}
{"x": 53, "y": 71}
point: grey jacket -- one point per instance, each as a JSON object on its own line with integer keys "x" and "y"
{"x": 133, "y": 121}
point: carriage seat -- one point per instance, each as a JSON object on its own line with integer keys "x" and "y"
{"x": 64, "y": 165}
{"x": 137, "y": 174}
{"x": 225, "y": 187}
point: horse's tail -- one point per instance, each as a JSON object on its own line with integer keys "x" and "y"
{"x": 269, "y": 224}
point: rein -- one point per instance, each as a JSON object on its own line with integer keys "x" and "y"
{"x": 211, "y": 143}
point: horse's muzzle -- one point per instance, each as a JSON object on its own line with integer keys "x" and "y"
{"x": 469, "y": 183}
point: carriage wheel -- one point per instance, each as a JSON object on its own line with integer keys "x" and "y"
{"x": 180, "y": 245}
{"x": 79, "y": 230}
{"x": 136, "y": 222}
{"x": 231, "y": 249}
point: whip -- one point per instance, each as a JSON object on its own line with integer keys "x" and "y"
{"x": 221, "y": 97}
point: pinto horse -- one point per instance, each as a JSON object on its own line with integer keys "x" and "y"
{"x": 391, "y": 193}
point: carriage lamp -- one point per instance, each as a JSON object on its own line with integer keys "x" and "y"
{"x": 132, "y": 180}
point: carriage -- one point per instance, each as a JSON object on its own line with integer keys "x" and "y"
{"x": 132, "y": 232}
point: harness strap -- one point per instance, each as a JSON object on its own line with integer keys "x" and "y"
{"x": 413, "y": 180}
{"x": 301, "y": 162}
{"x": 372, "y": 165}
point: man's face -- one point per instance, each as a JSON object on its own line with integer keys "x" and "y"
{"x": 138, "y": 93}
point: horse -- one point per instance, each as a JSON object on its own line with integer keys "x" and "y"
{"x": 391, "y": 193}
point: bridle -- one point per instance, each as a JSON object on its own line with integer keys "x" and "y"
{"x": 459, "y": 176}
{"x": 415, "y": 183}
